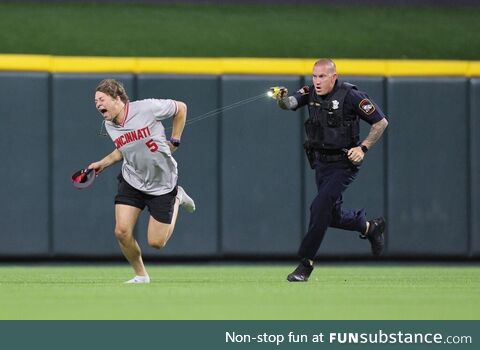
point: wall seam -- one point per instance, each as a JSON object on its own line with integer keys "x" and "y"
{"x": 51, "y": 165}
{"x": 469, "y": 182}
{"x": 219, "y": 169}
{"x": 386, "y": 206}
{"x": 303, "y": 188}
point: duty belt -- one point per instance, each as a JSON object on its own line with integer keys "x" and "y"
{"x": 330, "y": 155}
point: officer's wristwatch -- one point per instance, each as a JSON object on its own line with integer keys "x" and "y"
{"x": 364, "y": 148}
{"x": 174, "y": 141}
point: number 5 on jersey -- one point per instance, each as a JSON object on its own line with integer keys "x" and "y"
{"x": 152, "y": 146}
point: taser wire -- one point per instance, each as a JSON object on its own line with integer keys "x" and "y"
{"x": 209, "y": 114}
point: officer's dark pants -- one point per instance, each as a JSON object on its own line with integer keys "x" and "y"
{"x": 326, "y": 209}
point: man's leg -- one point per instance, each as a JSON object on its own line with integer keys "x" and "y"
{"x": 348, "y": 219}
{"x": 163, "y": 215}
{"x": 320, "y": 216}
{"x": 126, "y": 217}
{"x": 332, "y": 180}
{"x": 185, "y": 200}
{"x": 355, "y": 220}
{"x": 160, "y": 232}
{"x": 331, "y": 184}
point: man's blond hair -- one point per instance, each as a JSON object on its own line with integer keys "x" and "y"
{"x": 327, "y": 62}
{"x": 113, "y": 88}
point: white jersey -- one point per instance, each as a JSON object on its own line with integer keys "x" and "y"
{"x": 148, "y": 164}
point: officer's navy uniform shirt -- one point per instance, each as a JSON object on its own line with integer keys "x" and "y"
{"x": 356, "y": 103}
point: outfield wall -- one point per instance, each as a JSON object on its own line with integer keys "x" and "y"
{"x": 245, "y": 169}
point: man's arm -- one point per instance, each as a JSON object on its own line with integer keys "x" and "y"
{"x": 288, "y": 102}
{"x": 356, "y": 154}
{"x": 298, "y": 99}
{"x": 178, "y": 124}
{"x": 375, "y": 133}
{"x": 110, "y": 159}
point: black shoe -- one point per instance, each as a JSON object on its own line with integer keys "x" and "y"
{"x": 301, "y": 273}
{"x": 375, "y": 235}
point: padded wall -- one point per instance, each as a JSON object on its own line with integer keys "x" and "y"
{"x": 475, "y": 166}
{"x": 261, "y": 171}
{"x": 428, "y": 166}
{"x": 83, "y": 220}
{"x": 245, "y": 168}
{"x": 24, "y": 141}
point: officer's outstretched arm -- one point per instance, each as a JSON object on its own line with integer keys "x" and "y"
{"x": 280, "y": 94}
{"x": 288, "y": 102}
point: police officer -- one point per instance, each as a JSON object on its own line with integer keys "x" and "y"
{"x": 334, "y": 150}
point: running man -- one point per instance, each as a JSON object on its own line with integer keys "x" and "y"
{"x": 149, "y": 172}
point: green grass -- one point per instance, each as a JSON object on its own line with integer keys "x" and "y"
{"x": 241, "y": 292}
{"x": 235, "y": 30}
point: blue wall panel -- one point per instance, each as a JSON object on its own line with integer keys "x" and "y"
{"x": 246, "y": 168}
{"x": 83, "y": 219}
{"x": 195, "y": 234}
{"x": 367, "y": 191}
{"x": 428, "y": 166}
{"x": 475, "y": 165}
{"x": 24, "y": 112}
{"x": 261, "y": 170}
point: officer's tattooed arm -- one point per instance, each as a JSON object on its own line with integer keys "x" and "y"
{"x": 289, "y": 102}
{"x": 356, "y": 154}
{"x": 375, "y": 133}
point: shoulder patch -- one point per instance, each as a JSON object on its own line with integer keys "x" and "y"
{"x": 366, "y": 106}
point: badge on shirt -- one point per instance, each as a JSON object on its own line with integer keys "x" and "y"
{"x": 366, "y": 106}
{"x": 335, "y": 104}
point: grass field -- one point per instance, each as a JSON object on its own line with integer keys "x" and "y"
{"x": 241, "y": 31}
{"x": 196, "y": 292}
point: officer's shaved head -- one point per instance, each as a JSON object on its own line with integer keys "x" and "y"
{"x": 324, "y": 76}
{"x": 327, "y": 62}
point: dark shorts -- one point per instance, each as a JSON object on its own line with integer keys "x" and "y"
{"x": 160, "y": 207}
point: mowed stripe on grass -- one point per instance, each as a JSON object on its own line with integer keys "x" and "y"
{"x": 241, "y": 292}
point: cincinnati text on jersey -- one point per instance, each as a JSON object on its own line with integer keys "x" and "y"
{"x": 131, "y": 136}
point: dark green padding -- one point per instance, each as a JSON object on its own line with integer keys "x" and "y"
{"x": 25, "y": 164}
{"x": 428, "y": 166}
